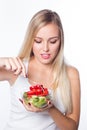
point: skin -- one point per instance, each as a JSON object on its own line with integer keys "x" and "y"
{"x": 46, "y": 44}
{"x": 45, "y": 48}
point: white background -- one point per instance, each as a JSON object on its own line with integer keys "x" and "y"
{"x": 14, "y": 18}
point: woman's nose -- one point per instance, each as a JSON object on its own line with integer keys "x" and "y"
{"x": 45, "y": 46}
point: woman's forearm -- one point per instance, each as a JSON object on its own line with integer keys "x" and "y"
{"x": 62, "y": 121}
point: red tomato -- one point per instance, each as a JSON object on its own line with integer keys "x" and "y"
{"x": 45, "y": 93}
{"x": 38, "y": 91}
{"x": 30, "y": 93}
{"x": 31, "y": 88}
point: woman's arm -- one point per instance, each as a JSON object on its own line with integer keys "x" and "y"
{"x": 10, "y": 66}
{"x": 69, "y": 121}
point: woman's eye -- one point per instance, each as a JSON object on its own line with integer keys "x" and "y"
{"x": 53, "y": 41}
{"x": 37, "y": 41}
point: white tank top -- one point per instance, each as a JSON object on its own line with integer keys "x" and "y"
{"x": 21, "y": 119}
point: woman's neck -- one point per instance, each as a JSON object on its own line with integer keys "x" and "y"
{"x": 42, "y": 66}
{"x": 39, "y": 73}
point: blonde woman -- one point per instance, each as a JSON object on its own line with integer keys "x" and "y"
{"x": 41, "y": 61}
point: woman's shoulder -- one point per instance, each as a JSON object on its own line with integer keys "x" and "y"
{"x": 73, "y": 72}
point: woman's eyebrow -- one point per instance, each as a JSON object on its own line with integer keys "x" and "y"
{"x": 38, "y": 38}
{"x": 55, "y": 37}
{"x": 49, "y": 37}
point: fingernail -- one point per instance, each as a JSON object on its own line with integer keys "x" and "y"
{"x": 29, "y": 104}
{"x": 21, "y": 100}
{"x": 25, "y": 76}
{"x": 49, "y": 102}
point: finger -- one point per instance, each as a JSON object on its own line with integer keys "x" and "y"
{"x": 23, "y": 67}
{"x": 7, "y": 64}
{"x": 16, "y": 66}
{"x": 13, "y": 64}
{"x": 21, "y": 100}
{"x": 49, "y": 103}
{"x": 27, "y": 106}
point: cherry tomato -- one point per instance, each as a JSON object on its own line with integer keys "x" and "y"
{"x": 38, "y": 91}
{"x": 31, "y": 88}
{"x": 30, "y": 93}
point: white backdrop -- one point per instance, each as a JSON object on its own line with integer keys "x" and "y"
{"x": 14, "y": 18}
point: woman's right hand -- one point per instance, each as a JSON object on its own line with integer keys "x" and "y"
{"x": 13, "y": 64}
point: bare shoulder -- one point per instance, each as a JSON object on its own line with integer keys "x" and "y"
{"x": 73, "y": 72}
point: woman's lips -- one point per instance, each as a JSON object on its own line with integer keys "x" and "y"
{"x": 45, "y": 56}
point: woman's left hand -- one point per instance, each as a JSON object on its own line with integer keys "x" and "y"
{"x": 32, "y": 108}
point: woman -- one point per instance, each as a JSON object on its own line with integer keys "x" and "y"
{"x": 41, "y": 61}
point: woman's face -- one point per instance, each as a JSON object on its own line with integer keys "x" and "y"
{"x": 46, "y": 44}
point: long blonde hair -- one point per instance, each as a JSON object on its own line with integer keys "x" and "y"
{"x": 60, "y": 76}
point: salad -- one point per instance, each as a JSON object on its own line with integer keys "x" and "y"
{"x": 37, "y": 95}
